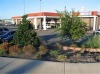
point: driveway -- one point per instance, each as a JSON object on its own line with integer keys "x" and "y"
{"x": 25, "y": 66}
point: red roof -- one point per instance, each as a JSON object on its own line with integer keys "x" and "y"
{"x": 17, "y": 17}
{"x": 39, "y": 14}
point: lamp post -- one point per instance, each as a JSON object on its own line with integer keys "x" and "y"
{"x": 24, "y": 7}
{"x": 40, "y": 15}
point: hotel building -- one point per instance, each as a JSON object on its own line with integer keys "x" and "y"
{"x": 45, "y": 20}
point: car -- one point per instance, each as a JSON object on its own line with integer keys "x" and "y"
{"x": 97, "y": 31}
{"x": 3, "y": 29}
{"x": 6, "y": 36}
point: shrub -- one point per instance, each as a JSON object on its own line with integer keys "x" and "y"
{"x": 29, "y": 50}
{"x": 14, "y": 50}
{"x": 61, "y": 58}
{"x": 97, "y": 58}
{"x": 73, "y": 45}
{"x": 71, "y": 26}
{"x": 58, "y": 46}
{"x": 54, "y": 53}
{"x": 25, "y": 34}
{"x": 5, "y": 47}
{"x": 93, "y": 42}
{"x": 43, "y": 49}
{"x": 2, "y": 52}
{"x": 37, "y": 55}
{"x": 75, "y": 58}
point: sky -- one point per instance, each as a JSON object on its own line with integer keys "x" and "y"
{"x": 9, "y": 8}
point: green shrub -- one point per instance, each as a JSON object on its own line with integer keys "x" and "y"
{"x": 71, "y": 26}
{"x": 54, "y": 53}
{"x": 93, "y": 42}
{"x": 97, "y": 57}
{"x": 61, "y": 58}
{"x": 58, "y": 46}
{"x": 37, "y": 55}
{"x": 43, "y": 49}
{"x": 75, "y": 58}
{"x": 2, "y": 52}
{"x": 25, "y": 34}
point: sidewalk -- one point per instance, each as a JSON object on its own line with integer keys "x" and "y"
{"x": 24, "y": 66}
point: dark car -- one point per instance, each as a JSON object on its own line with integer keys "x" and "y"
{"x": 3, "y": 29}
{"x": 6, "y": 36}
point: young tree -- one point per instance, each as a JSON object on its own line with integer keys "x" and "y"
{"x": 25, "y": 34}
{"x": 71, "y": 26}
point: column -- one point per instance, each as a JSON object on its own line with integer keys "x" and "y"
{"x": 16, "y": 20}
{"x": 94, "y": 23}
{"x": 21, "y": 19}
{"x": 60, "y": 23}
{"x": 13, "y": 21}
{"x": 44, "y": 23}
{"x": 35, "y": 23}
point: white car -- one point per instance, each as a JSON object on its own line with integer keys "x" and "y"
{"x": 97, "y": 31}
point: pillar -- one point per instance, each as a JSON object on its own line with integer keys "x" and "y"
{"x": 16, "y": 21}
{"x": 35, "y": 23}
{"x": 60, "y": 23}
{"x": 13, "y": 21}
{"x": 44, "y": 23}
{"x": 94, "y": 23}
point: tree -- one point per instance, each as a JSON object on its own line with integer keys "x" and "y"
{"x": 71, "y": 26}
{"x": 25, "y": 34}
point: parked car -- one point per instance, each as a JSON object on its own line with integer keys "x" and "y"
{"x": 8, "y": 23}
{"x": 3, "y": 29}
{"x": 6, "y": 36}
{"x": 97, "y": 31}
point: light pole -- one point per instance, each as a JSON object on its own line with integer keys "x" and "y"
{"x": 24, "y": 7}
{"x": 40, "y": 14}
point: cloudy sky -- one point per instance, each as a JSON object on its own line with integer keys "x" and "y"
{"x": 9, "y": 8}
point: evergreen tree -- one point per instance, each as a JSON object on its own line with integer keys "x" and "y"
{"x": 25, "y": 34}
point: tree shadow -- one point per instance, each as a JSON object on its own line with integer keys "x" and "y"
{"x": 48, "y": 37}
{"x": 25, "y": 67}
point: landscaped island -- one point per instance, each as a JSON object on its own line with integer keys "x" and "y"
{"x": 27, "y": 44}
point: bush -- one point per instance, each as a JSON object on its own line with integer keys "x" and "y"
{"x": 93, "y": 42}
{"x": 54, "y": 53}
{"x": 61, "y": 58}
{"x": 71, "y": 26}
{"x": 58, "y": 46}
{"x": 14, "y": 50}
{"x": 43, "y": 49}
{"x": 37, "y": 55}
{"x": 5, "y": 46}
{"x": 75, "y": 58}
{"x": 25, "y": 34}
{"x": 2, "y": 52}
{"x": 41, "y": 52}
{"x": 29, "y": 50}
{"x": 97, "y": 58}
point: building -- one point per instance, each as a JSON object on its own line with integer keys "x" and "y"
{"x": 46, "y": 20}
{"x": 41, "y": 20}
{"x": 92, "y": 18}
